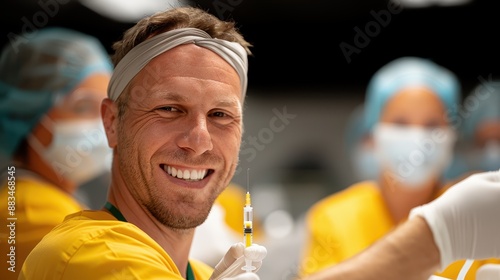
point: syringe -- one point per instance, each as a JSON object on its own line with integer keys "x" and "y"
{"x": 248, "y": 221}
{"x": 248, "y": 226}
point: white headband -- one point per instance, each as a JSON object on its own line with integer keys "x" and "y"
{"x": 142, "y": 54}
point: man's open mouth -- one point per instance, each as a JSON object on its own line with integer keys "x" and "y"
{"x": 187, "y": 174}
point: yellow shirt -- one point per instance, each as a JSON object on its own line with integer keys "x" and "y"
{"x": 39, "y": 206}
{"x": 344, "y": 224}
{"x": 94, "y": 245}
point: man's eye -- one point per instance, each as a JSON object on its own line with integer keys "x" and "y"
{"x": 168, "y": 108}
{"x": 219, "y": 114}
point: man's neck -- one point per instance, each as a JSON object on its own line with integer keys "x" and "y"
{"x": 176, "y": 243}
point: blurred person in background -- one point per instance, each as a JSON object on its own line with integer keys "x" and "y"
{"x": 481, "y": 131}
{"x": 359, "y": 147}
{"x": 407, "y": 111}
{"x": 51, "y": 133}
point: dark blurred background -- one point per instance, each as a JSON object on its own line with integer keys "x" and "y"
{"x": 297, "y": 42}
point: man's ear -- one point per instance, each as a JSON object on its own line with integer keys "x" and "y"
{"x": 109, "y": 114}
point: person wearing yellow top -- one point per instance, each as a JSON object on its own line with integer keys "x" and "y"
{"x": 51, "y": 87}
{"x": 408, "y": 111}
{"x": 108, "y": 248}
{"x": 39, "y": 207}
{"x": 360, "y": 202}
{"x": 173, "y": 117}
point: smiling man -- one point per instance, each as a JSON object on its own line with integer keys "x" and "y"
{"x": 173, "y": 117}
{"x": 186, "y": 132}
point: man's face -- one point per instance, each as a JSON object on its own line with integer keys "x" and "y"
{"x": 179, "y": 137}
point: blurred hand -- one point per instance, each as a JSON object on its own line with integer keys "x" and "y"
{"x": 488, "y": 272}
{"x": 232, "y": 262}
{"x": 434, "y": 277}
{"x": 244, "y": 276}
{"x": 464, "y": 220}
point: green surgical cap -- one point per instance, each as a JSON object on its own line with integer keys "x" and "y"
{"x": 37, "y": 69}
{"x": 409, "y": 71}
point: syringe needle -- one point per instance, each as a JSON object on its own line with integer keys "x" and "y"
{"x": 248, "y": 180}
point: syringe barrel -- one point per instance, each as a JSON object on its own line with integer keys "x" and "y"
{"x": 247, "y": 214}
{"x": 248, "y": 225}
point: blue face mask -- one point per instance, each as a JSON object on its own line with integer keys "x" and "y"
{"x": 79, "y": 149}
{"x": 413, "y": 155}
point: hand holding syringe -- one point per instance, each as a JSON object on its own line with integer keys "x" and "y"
{"x": 246, "y": 255}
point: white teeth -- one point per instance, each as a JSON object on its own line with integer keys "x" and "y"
{"x": 192, "y": 175}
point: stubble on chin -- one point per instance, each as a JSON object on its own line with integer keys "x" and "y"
{"x": 174, "y": 215}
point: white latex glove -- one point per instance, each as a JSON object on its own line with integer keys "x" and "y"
{"x": 232, "y": 262}
{"x": 434, "y": 277}
{"x": 244, "y": 276}
{"x": 488, "y": 272}
{"x": 465, "y": 219}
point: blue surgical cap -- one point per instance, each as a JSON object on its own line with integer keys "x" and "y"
{"x": 484, "y": 106}
{"x": 36, "y": 69}
{"x": 409, "y": 71}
